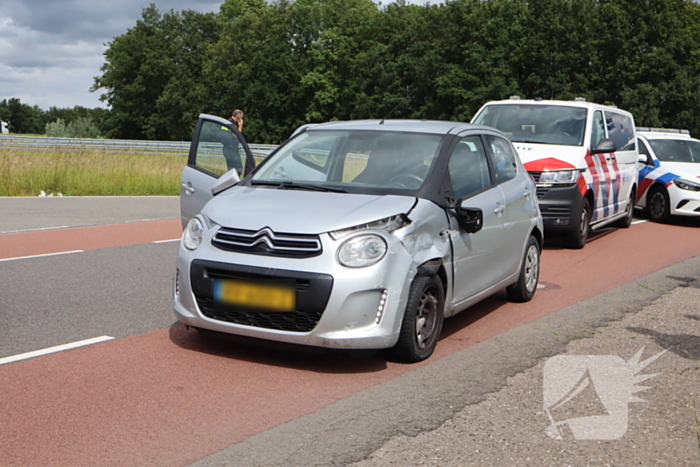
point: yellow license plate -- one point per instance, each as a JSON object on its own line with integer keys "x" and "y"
{"x": 266, "y": 296}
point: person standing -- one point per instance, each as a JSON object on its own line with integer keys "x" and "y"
{"x": 231, "y": 143}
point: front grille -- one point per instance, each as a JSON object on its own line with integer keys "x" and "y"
{"x": 312, "y": 294}
{"x": 297, "y": 321}
{"x": 268, "y": 243}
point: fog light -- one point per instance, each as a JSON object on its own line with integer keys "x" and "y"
{"x": 380, "y": 308}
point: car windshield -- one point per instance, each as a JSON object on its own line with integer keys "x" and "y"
{"x": 676, "y": 150}
{"x": 353, "y": 161}
{"x": 534, "y": 123}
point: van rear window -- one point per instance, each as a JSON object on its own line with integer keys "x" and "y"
{"x": 532, "y": 123}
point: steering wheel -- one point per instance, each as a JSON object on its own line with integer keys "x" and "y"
{"x": 406, "y": 181}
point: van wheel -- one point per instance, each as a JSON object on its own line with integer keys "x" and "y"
{"x": 626, "y": 221}
{"x": 524, "y": 289}
{"x": 422, "y": 320}
{"x": 577, "y": 238}
{"x": 658, "y": 205}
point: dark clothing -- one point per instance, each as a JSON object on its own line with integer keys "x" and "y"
{"x": 231, "y": 150}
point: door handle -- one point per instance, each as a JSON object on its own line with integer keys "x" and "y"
{"x": 499, "y": 209}
{"x": 188, "y": 188}
{"x": 527, "y": 194}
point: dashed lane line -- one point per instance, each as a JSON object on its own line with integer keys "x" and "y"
{"x": 50, "y": 350}
{"x": 41, "y": 256}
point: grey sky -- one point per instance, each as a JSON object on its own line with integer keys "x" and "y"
{"x": 50, "y": 50}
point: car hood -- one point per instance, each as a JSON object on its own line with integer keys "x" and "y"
{"x": 298, "y": 211}
{"x": 687, "y": 170}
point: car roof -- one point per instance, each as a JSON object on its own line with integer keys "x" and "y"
{"x": 664, "y": 133}
{"x": 575, "y": 103}
{"x": 409, "y": 126}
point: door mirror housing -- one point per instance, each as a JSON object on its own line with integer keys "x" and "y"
{"x": 225, "y": 182}
{"x": 605, "y": 145}
{"x": 471, "y": 220}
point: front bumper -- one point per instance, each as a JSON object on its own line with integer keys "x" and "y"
{"x": 684, "y": 202}
{"x": 559, "y": 207}
{"x": 337, "y": 307}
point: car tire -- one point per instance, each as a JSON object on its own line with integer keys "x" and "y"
{"x": 422, "y": 320}
{"x": 577, "y": 238}
{"x": 526, "y": 286}
{"x": 658, "y": 205}
{"x": 626, "y": 221}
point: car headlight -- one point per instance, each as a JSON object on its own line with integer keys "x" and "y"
{"x": 362, "y": 251}
{"x": 192, "y": 237}
{"x": 560, "y": 176}
{"x": 686, "y": 184}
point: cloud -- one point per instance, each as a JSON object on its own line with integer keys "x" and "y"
{"x": 51, "y": 50}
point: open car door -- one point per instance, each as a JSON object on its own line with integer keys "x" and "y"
{"x": 218, "y": 154}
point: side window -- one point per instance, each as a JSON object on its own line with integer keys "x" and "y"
{"x": 504, "y": 158}
{"x": 621, "y": 130}
{"x": 598, "y": 129}
{"x": 218, "y": 150}
{"x": 644, "y": 151}
{"x": 468, "y": 167}
{"x": 315, "y": 155}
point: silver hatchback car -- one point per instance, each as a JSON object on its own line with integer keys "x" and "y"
{"x": 354, "y": 235}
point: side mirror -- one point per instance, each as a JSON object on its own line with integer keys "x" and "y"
{"x": 225, "y": 182}
{"x": 605, "y": 145}
{"x": 471, "y": 220}
{"x": 644, "y": 159}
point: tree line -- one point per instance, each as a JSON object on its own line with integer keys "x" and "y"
{"x": 78, "y": 122}
{"x": 286, "y": 63}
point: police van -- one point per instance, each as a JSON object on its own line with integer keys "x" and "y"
{"x": 583, "y": 157}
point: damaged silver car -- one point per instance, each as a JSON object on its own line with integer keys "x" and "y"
{"x": 354, "y": 235}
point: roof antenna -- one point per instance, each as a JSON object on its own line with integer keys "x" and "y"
{"x": 396, "y": 106}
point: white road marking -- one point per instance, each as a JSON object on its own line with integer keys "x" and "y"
{"x": 58, "y": 348}
{"x": 167, "y": 241}
{"x": 640, "y": 221}
{"x": 35, "y": 230}
{"x": 41, "y": 256}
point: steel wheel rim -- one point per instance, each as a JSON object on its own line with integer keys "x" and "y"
{"x": 532, "y": 268}
{"x": 426, "y": 317}
{"x": 658, "y": 204}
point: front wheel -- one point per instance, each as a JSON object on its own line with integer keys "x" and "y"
{"x": 422, "y": 320}
{"x": 578, "y": 237}
{"x": 659, "y": 205}
{"x": 524, "y": 289}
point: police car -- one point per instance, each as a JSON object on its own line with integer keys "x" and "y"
{"x": 669, "y": 176}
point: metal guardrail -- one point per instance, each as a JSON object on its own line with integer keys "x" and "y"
{"x": 157, "y": 147}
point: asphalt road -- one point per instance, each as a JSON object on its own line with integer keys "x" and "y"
{"x": 159, "y": 394}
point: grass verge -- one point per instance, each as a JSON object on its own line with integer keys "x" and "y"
{"x": 88, "y": 173}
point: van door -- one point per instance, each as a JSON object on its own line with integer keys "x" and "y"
{"x": 217, "y": 148}
{"x": 612, "y": 173}
{"x": 623, "y": 164}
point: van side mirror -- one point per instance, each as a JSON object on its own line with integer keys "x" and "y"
{"x": 225, "y": 182}
{"x": 604, "y": 146}
{"x": 471, "y": 220}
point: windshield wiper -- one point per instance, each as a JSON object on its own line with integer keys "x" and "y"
{"x": 284, "y": 185}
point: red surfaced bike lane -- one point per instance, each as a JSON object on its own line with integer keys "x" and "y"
{"x": 170, "y": 397}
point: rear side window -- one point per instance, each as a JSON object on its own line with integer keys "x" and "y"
{"x": 621, "y": 130}
{"x": 504, "y": 157}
